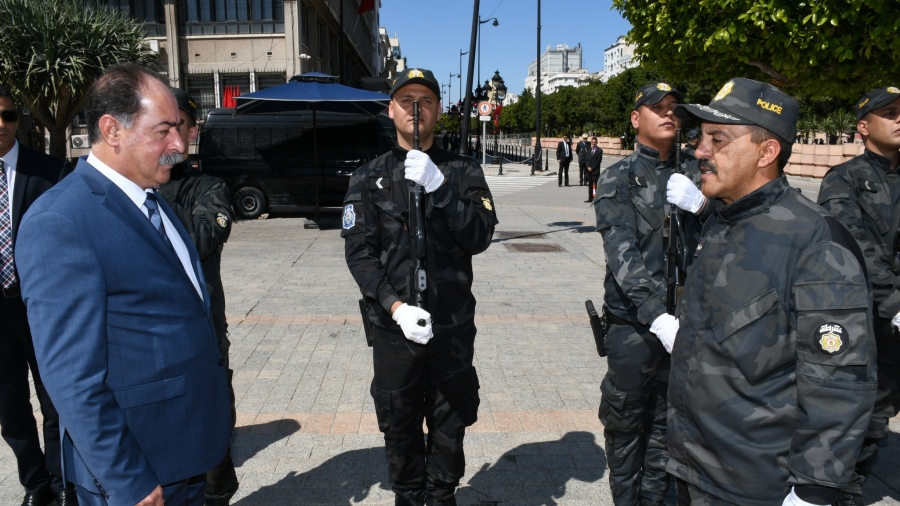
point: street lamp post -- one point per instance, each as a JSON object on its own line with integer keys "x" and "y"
{"x": 450, "y": 89}
{"x": 467, "y": 103}
{"x": 536, "y": 163}
{"x": 481, "y": 22}
{"x": 460, "y": 72}
{"x": 499, "y": 94}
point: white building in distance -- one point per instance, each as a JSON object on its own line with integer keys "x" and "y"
{"x": 617, "y": 58}
{"x": 559, "y": 67}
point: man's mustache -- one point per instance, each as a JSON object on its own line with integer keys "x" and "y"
{"x": 706, "y": 165}
{"x": 171, "y": 159}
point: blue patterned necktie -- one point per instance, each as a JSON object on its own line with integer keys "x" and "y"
{"x": 7, "y": 265}
{"x": 153, "y": 213}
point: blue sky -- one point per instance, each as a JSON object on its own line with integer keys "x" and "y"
{"x": 432, "y": 34}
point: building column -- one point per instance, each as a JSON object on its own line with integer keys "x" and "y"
{"x": 292, "y": 26}
{"x": 172, "y": 49}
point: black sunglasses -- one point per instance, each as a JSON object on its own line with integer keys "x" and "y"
{"x": 10, "y": 116}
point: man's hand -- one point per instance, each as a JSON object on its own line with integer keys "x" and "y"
{"x": 154, "y": 499}
{"x": 895, "y": 321}
{"x": 420, "y": 169}
{"x": 408, "y": 318}
{"x": 665, "y": 326}
{"x": 682, "y": 192}
{"x": 794, "y": 500}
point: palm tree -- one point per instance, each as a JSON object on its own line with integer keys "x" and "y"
{"x": 841, "y": 123}
{"x": 52, "y": 50}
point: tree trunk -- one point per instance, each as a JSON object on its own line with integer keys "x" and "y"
{"x": 57, "y": 141}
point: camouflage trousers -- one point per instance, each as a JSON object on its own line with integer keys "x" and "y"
{"x": 689, "y": 495}
{"x": 887, "y": 403}
{"x": 633, "y": 413}
{"x": 435, "y": 383}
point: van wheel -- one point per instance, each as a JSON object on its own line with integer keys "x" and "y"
{"x": 250, "y": 202}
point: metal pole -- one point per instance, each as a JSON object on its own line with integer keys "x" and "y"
{"x": 460, "y": 73}
{"x": 484, "y": 142}
{"x": 537, "y": 97}
{"x": 467, "y": 104}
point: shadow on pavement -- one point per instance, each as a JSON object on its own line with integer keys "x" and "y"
{"x": 887, "y": 470}
{"x": 250, "y": 439}
{"x": 536, "y": 473}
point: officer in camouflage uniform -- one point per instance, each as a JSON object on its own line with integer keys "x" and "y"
{"x": 773, "y": 368}
{"x": 864, "y": 194}
{"x": 203, "y": 204}
{"x": 421, "y": 372}
{"x": 631, "y": 210}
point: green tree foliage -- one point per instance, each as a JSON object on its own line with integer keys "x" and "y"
{"x": 52, "y": 50}
{"x": 838, "y": 48}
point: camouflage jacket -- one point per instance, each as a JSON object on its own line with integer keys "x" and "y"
{"x": 631, "y": 210}
{"x": 203, "y": 204}
{"x": 864, "y": 194}
{"x": 773, "y": 368}
{"x": 460, "y": 220}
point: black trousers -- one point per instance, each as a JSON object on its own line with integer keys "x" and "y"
{"x": 435, "y": 383}
{"x": 633, "y": 412}
{"x": 37, "y": 469}
{"x": 582, "y": 173}
{"x": 887, "y": 402}
{"x": 592, "y": 178}
{"x": 564, "y": 169}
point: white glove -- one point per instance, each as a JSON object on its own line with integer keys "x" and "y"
{"x": 682, "y": 192}
{"x": 420, "y": 169}
{"x": 665, "y": 326}
{"x": 895, "y": 321}
{"x": 408, "y": 318}
{"x": 793, "y": 500}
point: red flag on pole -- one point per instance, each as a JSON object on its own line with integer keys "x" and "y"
{"x": 366, "y": 6}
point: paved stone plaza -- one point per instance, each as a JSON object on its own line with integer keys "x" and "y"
{"x": 307, "y": 433}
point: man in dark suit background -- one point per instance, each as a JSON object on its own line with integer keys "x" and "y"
{"x": 564, "y": 157}
{"x": 25, "y": 174}
{"x": 582, "y": 151}
{"x": 595, "y": 156}
{"x": 120, "y": 312}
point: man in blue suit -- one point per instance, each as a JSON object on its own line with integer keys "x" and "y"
{"x": 119, "y": 310}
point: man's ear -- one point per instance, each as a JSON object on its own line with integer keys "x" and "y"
{"x": 635, "y": 120}
{"x": 110, "y": 129}
{"x": 769, "y": 153}
{"x": 192, "y": 134}
{"x": 862, "y": 126}
{"x": 391, "y": 109}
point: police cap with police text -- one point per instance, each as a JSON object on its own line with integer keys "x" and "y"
{"x": 652, "y": 93}
{"x": 185, "y": 103}
{"x": 876, "y": 99}
{"x": 747, "y": 102}
{"x": 416, "y": 76}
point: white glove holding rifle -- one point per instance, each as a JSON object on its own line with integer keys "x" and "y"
{"x": 665, "y": 326}
{"x": 421, "y": 170}
{"x": 682, "y": 192}
{"x": 408, "y": 318}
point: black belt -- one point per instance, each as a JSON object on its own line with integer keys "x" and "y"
{"x": 12, "y": 291}
{"x": 612, "y": 318}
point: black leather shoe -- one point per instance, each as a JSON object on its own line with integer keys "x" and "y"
{"x": 589, "y": 200}
{"x": 67, "y": 498}
{"x": 42, "y": 498}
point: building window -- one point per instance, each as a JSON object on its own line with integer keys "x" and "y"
{"x": 264, "y": 81}
{"x": 214, "y": 17}
{"x": 232, "y": 87}
{"x": 148, "y": 12}
{"x": 308, "y": 21}
{"x": 202, "y": 88}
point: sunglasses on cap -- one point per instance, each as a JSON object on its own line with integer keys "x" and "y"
{"x": 10, "y": 116}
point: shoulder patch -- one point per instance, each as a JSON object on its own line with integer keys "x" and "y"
{"x": 222, "y": 220}
{"x": 869, "y": 186}
{"x": 831, "y": 339}
{"x": 349, "y": 218}
{"x": 487, "y": 203}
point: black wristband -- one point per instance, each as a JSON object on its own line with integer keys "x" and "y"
{"x": 816, "y": 494}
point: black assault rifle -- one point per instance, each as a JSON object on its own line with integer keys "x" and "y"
{"x": 417, "y": 248}
{"x": 675, "y": 238}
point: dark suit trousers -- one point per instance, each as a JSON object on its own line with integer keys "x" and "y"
{"x": 189, "y": 492}
{"x": 591, "y": 179}
{"x": 564, "y": 169}
{"x": 582, "y": 173}
{"x": 37, "y": 470}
